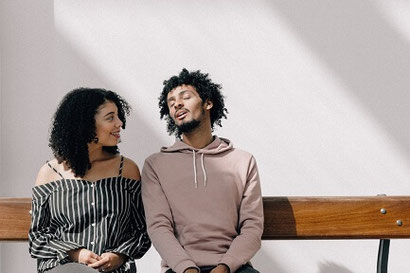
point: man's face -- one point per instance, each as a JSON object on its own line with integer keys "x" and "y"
{"x": 186, "y": 107}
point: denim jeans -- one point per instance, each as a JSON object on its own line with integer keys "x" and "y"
{"x": 243, "y": 269}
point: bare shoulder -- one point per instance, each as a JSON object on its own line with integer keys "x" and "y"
{"x": 130, "y": 169}
{"x": 46, "y": 174}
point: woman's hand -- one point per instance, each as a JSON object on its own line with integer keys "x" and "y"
{"x": 109, "y": 261}
{"x": 83, "y": 256}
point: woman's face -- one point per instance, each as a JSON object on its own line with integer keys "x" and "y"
{"x": 107, "y": 124}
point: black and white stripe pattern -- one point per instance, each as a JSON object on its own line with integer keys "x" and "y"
{"x": 102, "y": 216}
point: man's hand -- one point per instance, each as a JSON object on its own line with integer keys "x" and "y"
{"x": 109, "y": 261}
{"x": 83, "y": 256}
{"x": 221, "y": 268}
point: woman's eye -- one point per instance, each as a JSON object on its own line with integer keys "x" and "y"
{"x": 110, "y": 118}
{"x": 186, "y": 97}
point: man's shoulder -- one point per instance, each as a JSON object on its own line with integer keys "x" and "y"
{"x": 153, "y": 157}
{"x": 156, "y": 156}
{"x": 237, "y": 152}
{"x": 233, "y": 150}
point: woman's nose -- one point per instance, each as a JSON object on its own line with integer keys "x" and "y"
{"x": 119, "y": 122}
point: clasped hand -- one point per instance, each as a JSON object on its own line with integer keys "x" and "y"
{"x": 219, "y": 269}
{"x": 108, "y": 261}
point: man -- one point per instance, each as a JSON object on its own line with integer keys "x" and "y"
{"x": 202, "y": 197}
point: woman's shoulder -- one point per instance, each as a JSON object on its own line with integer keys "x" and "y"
{"x": 46, "y": 174}
{"x": 130, "y": 169}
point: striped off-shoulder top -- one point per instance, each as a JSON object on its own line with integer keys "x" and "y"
{"x": 103, "y": 216}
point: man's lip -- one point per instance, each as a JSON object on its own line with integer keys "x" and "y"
{"x": 180, "y": 113}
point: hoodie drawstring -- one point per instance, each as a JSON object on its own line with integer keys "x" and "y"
{"x": 193, "y": 157}
{"x": 203, "y": 169}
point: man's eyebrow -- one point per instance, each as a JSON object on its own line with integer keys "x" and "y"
{"x": 185, "y": 91}
{"x": 179, "y": 94}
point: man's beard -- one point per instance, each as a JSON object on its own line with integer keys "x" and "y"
{"x": 189, "y": 126}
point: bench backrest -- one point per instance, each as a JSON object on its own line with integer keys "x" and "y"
{"x": 375, "y": 217}
{"x": 380, "y": 217}
{"x": 14, "y": 219}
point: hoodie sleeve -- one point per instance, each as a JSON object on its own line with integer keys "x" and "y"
{"x": 160, "y": 223}
{"x": 248, "y": 242}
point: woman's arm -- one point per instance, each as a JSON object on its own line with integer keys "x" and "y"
{"x": 44, "y": 243}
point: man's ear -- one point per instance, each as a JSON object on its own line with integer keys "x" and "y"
{"x": 208, "y": 104}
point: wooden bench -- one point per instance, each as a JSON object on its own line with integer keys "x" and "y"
{"x": 14, "y": 218}
{"x": 287, "y": 218}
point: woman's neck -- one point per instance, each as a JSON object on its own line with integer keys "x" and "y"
{"x": 96, "y": 153}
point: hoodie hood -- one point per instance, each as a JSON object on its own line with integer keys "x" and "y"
{"x": 219, "y": 145}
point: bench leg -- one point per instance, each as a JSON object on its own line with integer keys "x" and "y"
{"x": 383, "y": 256}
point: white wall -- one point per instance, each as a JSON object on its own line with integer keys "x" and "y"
{"x": 317, "y": 90}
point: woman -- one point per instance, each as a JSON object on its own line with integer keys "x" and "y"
{"x": 87, "y": 214}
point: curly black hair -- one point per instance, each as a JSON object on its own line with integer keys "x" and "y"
{"x": 206, "y": 89}
{"x": 73, "y": 126}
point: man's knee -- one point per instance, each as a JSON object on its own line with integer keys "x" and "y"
{"x": 246, "y": 269}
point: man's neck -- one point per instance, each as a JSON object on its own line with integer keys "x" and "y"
{"x": 198, "y": 138}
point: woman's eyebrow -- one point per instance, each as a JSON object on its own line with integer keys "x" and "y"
{"x": 110, "y": 113}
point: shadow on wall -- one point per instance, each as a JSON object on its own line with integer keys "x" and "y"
{"x": 279, "y": 212}
{"x": 370, "y": 56}
{"x": 71, "y": 70}
{"x": 15, "y": 258}
{"x": 74, "y": 71}
{"x": 330, "y": 267}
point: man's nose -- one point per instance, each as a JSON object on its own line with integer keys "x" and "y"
{"x": 178, "y": 103}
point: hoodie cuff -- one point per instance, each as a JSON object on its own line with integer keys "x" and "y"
{"x": 182, "y": 266}
{"x": 231, "y": 262}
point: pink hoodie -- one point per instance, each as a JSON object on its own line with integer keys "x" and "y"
{"x": 203, "y": 206}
